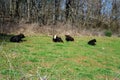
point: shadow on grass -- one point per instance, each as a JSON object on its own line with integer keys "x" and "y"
{"x": 5, "y": 37}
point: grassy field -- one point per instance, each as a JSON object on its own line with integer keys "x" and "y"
{"x": 38, "y": 56}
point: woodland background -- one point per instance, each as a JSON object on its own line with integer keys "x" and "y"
{"x": 78, "y": 17}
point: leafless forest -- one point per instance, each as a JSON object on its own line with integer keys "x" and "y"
{"x": 89, "y": 17}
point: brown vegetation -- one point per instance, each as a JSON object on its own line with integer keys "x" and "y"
{"x": 60, "y": 29}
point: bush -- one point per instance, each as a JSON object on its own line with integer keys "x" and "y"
{"x": 108, "y": 33}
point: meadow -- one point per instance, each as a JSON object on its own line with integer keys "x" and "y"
{"x": 38, "y": 56}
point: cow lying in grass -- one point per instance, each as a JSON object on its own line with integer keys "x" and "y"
{"x": 92, "y": 42}
{"x": 17, "y": 38}
{"x": 57, "y": 39}
{"x": 69, "y": 38}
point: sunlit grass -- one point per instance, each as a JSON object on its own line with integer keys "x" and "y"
{"x": 39, "y": 56}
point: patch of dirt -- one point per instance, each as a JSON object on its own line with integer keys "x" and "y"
{"x": 82, "y": 60}
{"x": 1, "y": 76}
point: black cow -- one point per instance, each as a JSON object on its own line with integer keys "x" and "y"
{"x": 92, "y": 42}
{"x": 17, "y": 38}
{"x": 57, "y": 39}
{"x": 69, "y": 38}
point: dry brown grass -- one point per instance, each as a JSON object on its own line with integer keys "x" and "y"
{"x": 59, "y": 29}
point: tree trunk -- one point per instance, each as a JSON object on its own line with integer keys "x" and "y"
{"x": 68, "y": 10}
{"x": 57, "y": 5}
{"x": 28, "y": 11}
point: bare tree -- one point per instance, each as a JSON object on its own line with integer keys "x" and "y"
{"x": 28, "y": 12}
{"x": 57, "y": 10}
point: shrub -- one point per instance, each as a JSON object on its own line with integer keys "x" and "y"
{"x": 108, "y": 33}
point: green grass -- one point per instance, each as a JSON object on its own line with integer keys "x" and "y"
{"x": 39, "y": 56}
